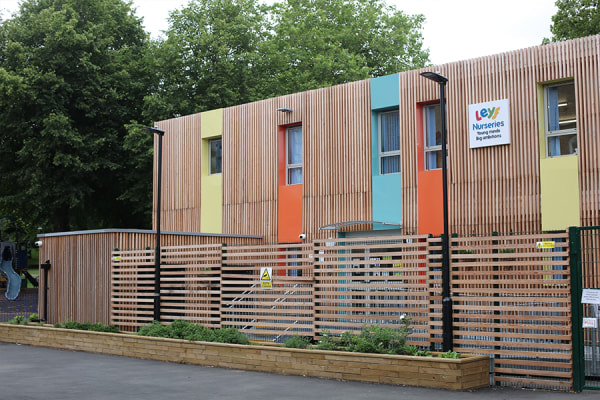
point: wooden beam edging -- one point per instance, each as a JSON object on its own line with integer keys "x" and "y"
{"x": 468, "y": 372}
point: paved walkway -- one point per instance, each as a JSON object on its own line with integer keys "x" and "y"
{"x": 39, "y": 373}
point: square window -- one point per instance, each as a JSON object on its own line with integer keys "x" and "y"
{"x": 293, "y": 155}
{"x": 389, "y": 142}
{"x": 433, "y": 136}
{"x": 215, "y": 156}
{"x": 560, "y": 119}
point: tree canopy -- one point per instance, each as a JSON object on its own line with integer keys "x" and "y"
{"x": 77, "y": 76}
{"x": 219, "y": 53}
{"x": 575, "y": 18}
{"x": 72, "y": 74}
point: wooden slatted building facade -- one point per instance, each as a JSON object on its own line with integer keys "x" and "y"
{"x": 504, "y": 188}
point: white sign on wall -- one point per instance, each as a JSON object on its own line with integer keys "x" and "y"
{"x": 590, "y": 296}
{"x": 489, "y": 124}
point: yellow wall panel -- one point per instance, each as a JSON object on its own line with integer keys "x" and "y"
{"x": 559, "y": 180}
{"x": 212, "y": 204}
{"x": 211, "y": 220}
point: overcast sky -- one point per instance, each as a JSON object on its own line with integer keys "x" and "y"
{"x": 454, "y": 29}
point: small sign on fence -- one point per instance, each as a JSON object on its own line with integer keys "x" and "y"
{"x": 590, "y": 296}
{"x": 545, "y": 245}
{"x": 266, "y": 282}
{"x": 590, "y": 323}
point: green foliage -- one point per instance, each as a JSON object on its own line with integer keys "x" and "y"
{"x": 181, "y": 329}
{"x": 87, "y": 326}
{"x": 575, "y": 18}
{"x": 230, "y": 335}
{"x": 210, "y": 58}
{"x": 22, "y": 320}
{"x": 449, "y": 354}
{"x": 374, "y": 339}
{"x": 328, "y": 341}
{"x": 18, "y": 320}
{"x": 220, "y": 53}
{"x": 319, "y": 43}
{"x": 297, "y": 342}
{"x": 507, "y": 251}
{"x": 72, "y": 74}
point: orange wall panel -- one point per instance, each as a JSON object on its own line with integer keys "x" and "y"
{"x": 289, "y": 210}
{"x": 431, "y": 212}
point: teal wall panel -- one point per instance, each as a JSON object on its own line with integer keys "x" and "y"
{"x": 387, "y": 193}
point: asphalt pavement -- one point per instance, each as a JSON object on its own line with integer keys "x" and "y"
{"x": 31, "y": 373}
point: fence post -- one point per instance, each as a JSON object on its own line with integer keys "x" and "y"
{"x": 45, "y": 266}
{"x": 576, "y": 309}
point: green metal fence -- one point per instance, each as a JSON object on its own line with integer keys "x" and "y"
{"x": 585, "y": 266}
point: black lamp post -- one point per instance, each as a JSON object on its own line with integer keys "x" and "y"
{"x": 160, "y": 134}
{"x": 448, "y": 342}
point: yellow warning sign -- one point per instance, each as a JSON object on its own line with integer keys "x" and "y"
{"x": 545, "y": 245}
{"x": 265, "y": 278}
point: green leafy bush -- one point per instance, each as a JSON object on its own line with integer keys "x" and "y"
{"x": 373, "y": 339}
{"x": 181, "y": 329}
{"x": 298, "y": 342}
{"x": 327, "y": 341}
{"x": 87, "y": 326}
{"x": 449, "y": 354}
{"x": 18, "y": 320}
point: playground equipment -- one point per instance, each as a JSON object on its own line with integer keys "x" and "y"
{"x": 13, "y": 260}
{"x": 7, "y": 254}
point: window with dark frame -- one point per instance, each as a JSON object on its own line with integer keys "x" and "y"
{"x": 293, "y": 155}
{"x": 389, "y": 142}
{"x": 215, "y": 156}
{"x": 560, "y": 119}
{"x": 432, "y": 136}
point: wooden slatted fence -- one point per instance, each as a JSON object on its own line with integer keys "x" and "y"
{"x": 286, "y": 308}
{"x": 511, "y": 299}
{"x": 372, "y": 281}
{"x": 190, "y": 286}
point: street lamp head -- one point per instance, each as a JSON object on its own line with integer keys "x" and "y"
{"x": 153, "y": 130}
{"x": 434, "y": 76}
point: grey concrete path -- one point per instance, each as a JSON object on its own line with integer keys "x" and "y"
{"x": 39, "y": 373}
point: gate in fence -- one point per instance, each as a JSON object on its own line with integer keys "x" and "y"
{"x": 511, "y": 294}
{"x": 585, "y": 259}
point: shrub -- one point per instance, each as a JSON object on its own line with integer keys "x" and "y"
{"x": 181, "y": 329}
{"x": 327, "y": 341}
{"x": 297, "y": 342}
{"x": 18, "y": 320}
{"x": 87, "y": 326}
{"x": 449, "y": 354}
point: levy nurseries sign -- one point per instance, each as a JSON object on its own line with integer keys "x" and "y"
{"x": 489, "y": 124}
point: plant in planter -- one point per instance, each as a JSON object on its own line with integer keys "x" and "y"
{"x": 372, "y": 339}
{"x": 181, "y": 329}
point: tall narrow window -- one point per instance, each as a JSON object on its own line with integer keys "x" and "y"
{"x": 389, "y": 142}
{"x": 560, "y": 122}
{"x": 433, "y": 136}
{"x": 293, "y": 155}
{"x": 215, "y": 156}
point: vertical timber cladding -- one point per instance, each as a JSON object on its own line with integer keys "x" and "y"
{"x": 497, "y": 188}
{"x": 337, "y": 157}
{"x": 250, "y": 168}
{"x": 336, "y": 131}
{"x": 181, "y": 174}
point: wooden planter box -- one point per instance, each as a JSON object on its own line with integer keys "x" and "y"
{"x": 468, "y": 372}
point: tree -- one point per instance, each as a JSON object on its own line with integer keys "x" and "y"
{"x": 320, "y": 43}
{"x": 72, "y": 74}
{"x": 575, "y": 18}
{"x": 220, "y": 53}
{"x": 209, "y": 58}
